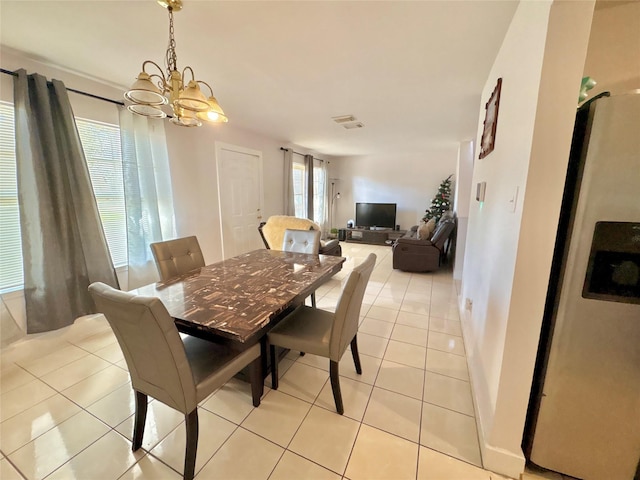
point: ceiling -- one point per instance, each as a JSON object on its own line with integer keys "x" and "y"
{"x": 412, "y": 72}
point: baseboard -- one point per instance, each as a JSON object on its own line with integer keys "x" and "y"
{"x": 494, "y": 459}
{"x": 499, "y": 460}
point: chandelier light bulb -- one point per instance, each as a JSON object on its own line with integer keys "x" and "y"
{"x": 214, "y": 114}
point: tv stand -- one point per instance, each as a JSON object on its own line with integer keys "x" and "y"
{"x": 378, "y": 236}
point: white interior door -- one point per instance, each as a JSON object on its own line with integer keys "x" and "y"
{"x": 240, "y": 198}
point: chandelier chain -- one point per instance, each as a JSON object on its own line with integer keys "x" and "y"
{"x": 172, "y": 58}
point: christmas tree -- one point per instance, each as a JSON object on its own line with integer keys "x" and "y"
{"x": 441, "y": 202}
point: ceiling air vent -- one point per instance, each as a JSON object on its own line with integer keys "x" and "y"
{"x": 349, "y": 126}
{"x": 344, "y": 118}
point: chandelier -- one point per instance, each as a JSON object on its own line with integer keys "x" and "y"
{"x": 190, "y": 106}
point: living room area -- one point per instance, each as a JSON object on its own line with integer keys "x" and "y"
{"x": 487, "y": 301}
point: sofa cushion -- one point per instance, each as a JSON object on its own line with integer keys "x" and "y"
{"x": 431, "y": 225}
{"x": 423, "y": 231}
{"x": 448, "y": 215}
{"x": 443, "y": 230}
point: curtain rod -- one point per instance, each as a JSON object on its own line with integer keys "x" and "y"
{"x": 73, "y": 90}
{"x": 301, "y": 154}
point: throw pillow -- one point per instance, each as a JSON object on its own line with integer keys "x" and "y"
{"x": 423, "y": 231}
{"x": 431, "y": 226}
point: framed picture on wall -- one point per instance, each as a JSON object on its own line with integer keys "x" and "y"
{"x": 490, "y": 122}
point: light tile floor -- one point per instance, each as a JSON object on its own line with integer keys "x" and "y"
{"x": 67, "y": 405}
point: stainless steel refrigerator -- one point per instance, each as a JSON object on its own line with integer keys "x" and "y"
{"x": 584, "y": 411}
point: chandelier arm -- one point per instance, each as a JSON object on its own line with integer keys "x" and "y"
{"x": 193, "y": 75}
{"x": 162, "y": 81}
{"x": 209, "y": 86}
{"x": 146, "y": 62}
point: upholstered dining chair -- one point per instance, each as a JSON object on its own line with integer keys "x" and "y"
{"x": 178, "y": 256}
{"x": 324, "y": 333}
{"x": 302, "y": 241}
{"x": 272, "y": 233}
{"x": 179, "y": 373}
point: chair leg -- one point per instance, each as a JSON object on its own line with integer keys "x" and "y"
{"x": 255, "y": 375}
{"x": 191, "y": 421}
{"x": 140, "y": 418}
{"x": 313, "y": 305}
{"x": 274, "y": 367}
{"x": 335, "y": 386}
{"x": 264, "y": 361}
{"x": 354, "y": 353}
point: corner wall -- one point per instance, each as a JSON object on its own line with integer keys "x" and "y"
{"x": 511, "y": 236}
{"x": 462, "y": 202}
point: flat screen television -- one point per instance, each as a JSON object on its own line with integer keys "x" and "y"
{"x": 380, "y": 215}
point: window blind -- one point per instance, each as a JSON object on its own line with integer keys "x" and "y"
{"x": 101, "y": 144}
{"x": 11, "y": 277}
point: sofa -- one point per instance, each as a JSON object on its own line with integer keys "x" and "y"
{"x": 413, "y": 253}
{"x": 272, "y": 233}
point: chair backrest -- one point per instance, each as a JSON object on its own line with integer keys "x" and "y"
{"x": 442, "y": 232}
{"x": 347, "y": 316}
{"x": 151, "y": 345}
{"x": 178, "y": 256}
{"x": 301, "y": 241}
{"x": 273, "y": 230}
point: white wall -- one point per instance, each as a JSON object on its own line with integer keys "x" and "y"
{"x": 410, "y": 181}
{"x": 508, "y": 253}
{"x": 194, "y": 179}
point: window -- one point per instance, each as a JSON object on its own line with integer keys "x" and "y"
{"x": 11, "y": 277}
{"x": 300, "y": 194}
{"x": 101, "y": 144}
{"x": 319, "y": 185}
{"x": 299, "y": 190}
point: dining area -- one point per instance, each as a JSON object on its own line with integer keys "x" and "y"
{"x": 409, "y": 413}
{"x": 187, "y": 335}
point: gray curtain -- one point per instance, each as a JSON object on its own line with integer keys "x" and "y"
{"x": 308, "y": 170}
{"x": 289, "y": 202}
{"x": 63, "y": 244}
{"x": 324, "y": 219}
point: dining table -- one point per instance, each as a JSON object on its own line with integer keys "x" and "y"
{"x": 236, "y": 301}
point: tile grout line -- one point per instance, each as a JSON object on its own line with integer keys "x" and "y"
{"x": 424, "y": 385}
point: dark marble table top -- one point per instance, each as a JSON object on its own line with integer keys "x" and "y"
{"x": 237, "y": 297}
